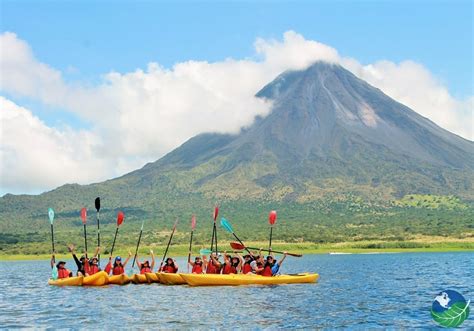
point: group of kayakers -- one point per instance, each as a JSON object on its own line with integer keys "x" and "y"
{"x": 248, "y": 264}
{"x": 237, "y": 264}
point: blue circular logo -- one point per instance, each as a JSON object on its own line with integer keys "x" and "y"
{"x": 450, "y": 309}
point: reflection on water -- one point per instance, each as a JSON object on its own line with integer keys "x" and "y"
{"x": 354, "y": 291}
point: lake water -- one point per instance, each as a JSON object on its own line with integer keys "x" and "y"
{"x": 354, "y": 291}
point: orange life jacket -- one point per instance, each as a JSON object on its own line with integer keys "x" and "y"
{"x": 63, "y": 273}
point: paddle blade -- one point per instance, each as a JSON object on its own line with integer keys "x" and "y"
{"x": 272, "y": 217}
{"x": 84, "y": 215}
{"x": 205, "y": 251}
{"x": 120, "y": 217}
{"x": 226, "y": 225}
{"x": 54, "y": 273}
{"x": 51, "y": 215}
{"x": 143, "y": 223}
{"x": 216, "y": 212}
{"x": 193, "y": 222}
{"x": 97, "y": 203}
{"x": 236, "y": 245}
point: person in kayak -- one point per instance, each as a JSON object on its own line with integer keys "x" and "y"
{"x": 232, "y": 265}
{"x": 145, "y": 266}
{"x": 272, "y": 266}
{"x": 247, "y": 264}
{"x": 170, "y": 267}
{"x": 118, "y": 268}
{"x": 62, "y": 271}
{"x": 197, "y": 265}
{"x": 80, "y": 263}
{"x": 213, "y": 266}
{"x": 92, "y": 266}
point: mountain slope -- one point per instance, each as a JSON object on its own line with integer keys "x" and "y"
{"x": 329, "y": 136}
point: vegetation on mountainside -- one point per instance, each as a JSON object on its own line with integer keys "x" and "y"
{"x": 365, "y": 225}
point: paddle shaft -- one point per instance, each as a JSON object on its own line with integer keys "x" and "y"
{"x": 98, "y": 235}
{"x": 168, "y": 246}
{"x": 113, "y": 245}
{"x": 85, "y": 238}
{"x": 270, "y": 243}
{"x": 52, "y": 237}
{"x": 136, "y": 249}
{"x": 190, "y": 245}
{"x": 278, "y": 252}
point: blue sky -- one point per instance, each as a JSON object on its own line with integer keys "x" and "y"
{"x": 74, "y": 122}
{"x": 85, "y": 39}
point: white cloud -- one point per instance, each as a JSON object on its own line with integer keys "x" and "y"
{"x": 136, "y": 117}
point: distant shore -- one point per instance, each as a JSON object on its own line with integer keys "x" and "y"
{"x": 358, "y": 247}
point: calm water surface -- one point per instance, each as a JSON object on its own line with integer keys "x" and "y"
{"x": 354, "y": 291}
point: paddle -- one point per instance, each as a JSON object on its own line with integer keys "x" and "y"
{"x": 206, "y": 251}
{"x": 214, "y": 229}
{"x": 120, "y": 217}
{"x": 84, "y": 220}
{"x": 271, "y": 219}
{"x": 226, "y": 225}
{"x": 54, "y": 271}
{"x": 169, "y": 242}
{"x": 236, "y": 245}
{"x": 138, "y": 243}
{"x": 193, "y": 226}
{"x": 97, "y": 207}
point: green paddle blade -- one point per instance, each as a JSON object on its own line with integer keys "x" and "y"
{"x": 54, "y": 273}
{"x": 51, "y": 215}
{"x": 205, "y": 251}
{"x": 226, "y": 225}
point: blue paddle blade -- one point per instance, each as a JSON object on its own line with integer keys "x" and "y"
{"x": 205, "y": 251}
{"x": 51, "y": 215}
{"x": 54, "y": 273}
{"x": 226, "y": 225}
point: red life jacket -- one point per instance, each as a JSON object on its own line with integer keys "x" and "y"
{"x": 63, "y": 273}
{"x": 93, "y": 269}
{"x": 145, "y": 269}
{"x": 169, "y": 269}
{"x": 197, "y": 268}
{"x": 267, "y": 271}
{"x": 118, "y": 270}
{"x": 212, "y": 268}
{"x": 247, "y": 268}
{"x": 227, "y": 269}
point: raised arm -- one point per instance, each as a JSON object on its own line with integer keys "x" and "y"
{"x": 96, "y": 253}
{"x": 152, "y": 259}
{"x": 127, "y": 259}
{"x": 108, "y": 267}
{"x": 53, "y": 261}
{"x": 283, "y": 258}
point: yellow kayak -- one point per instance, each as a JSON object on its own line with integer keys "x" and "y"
{"x": 71, "y": 281}
{"x": 119, "y": 279}
{"x": 152, "y": 277}
{"x": 139, "y": 279}
{"x": 239, "y": 279}
{"x": 170, "y": 279}
{"x": 97, "y": 279}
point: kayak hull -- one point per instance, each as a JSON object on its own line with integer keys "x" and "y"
{"x": 71, "y": 281}
{"x": 152, "y": 277}
{"x": 239, "y": 279}
{"x": 119, "y": 279}
{"x": 97, "y": 279}
{"x": 170, "y": 279}
{"x": 139, "y": 279}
